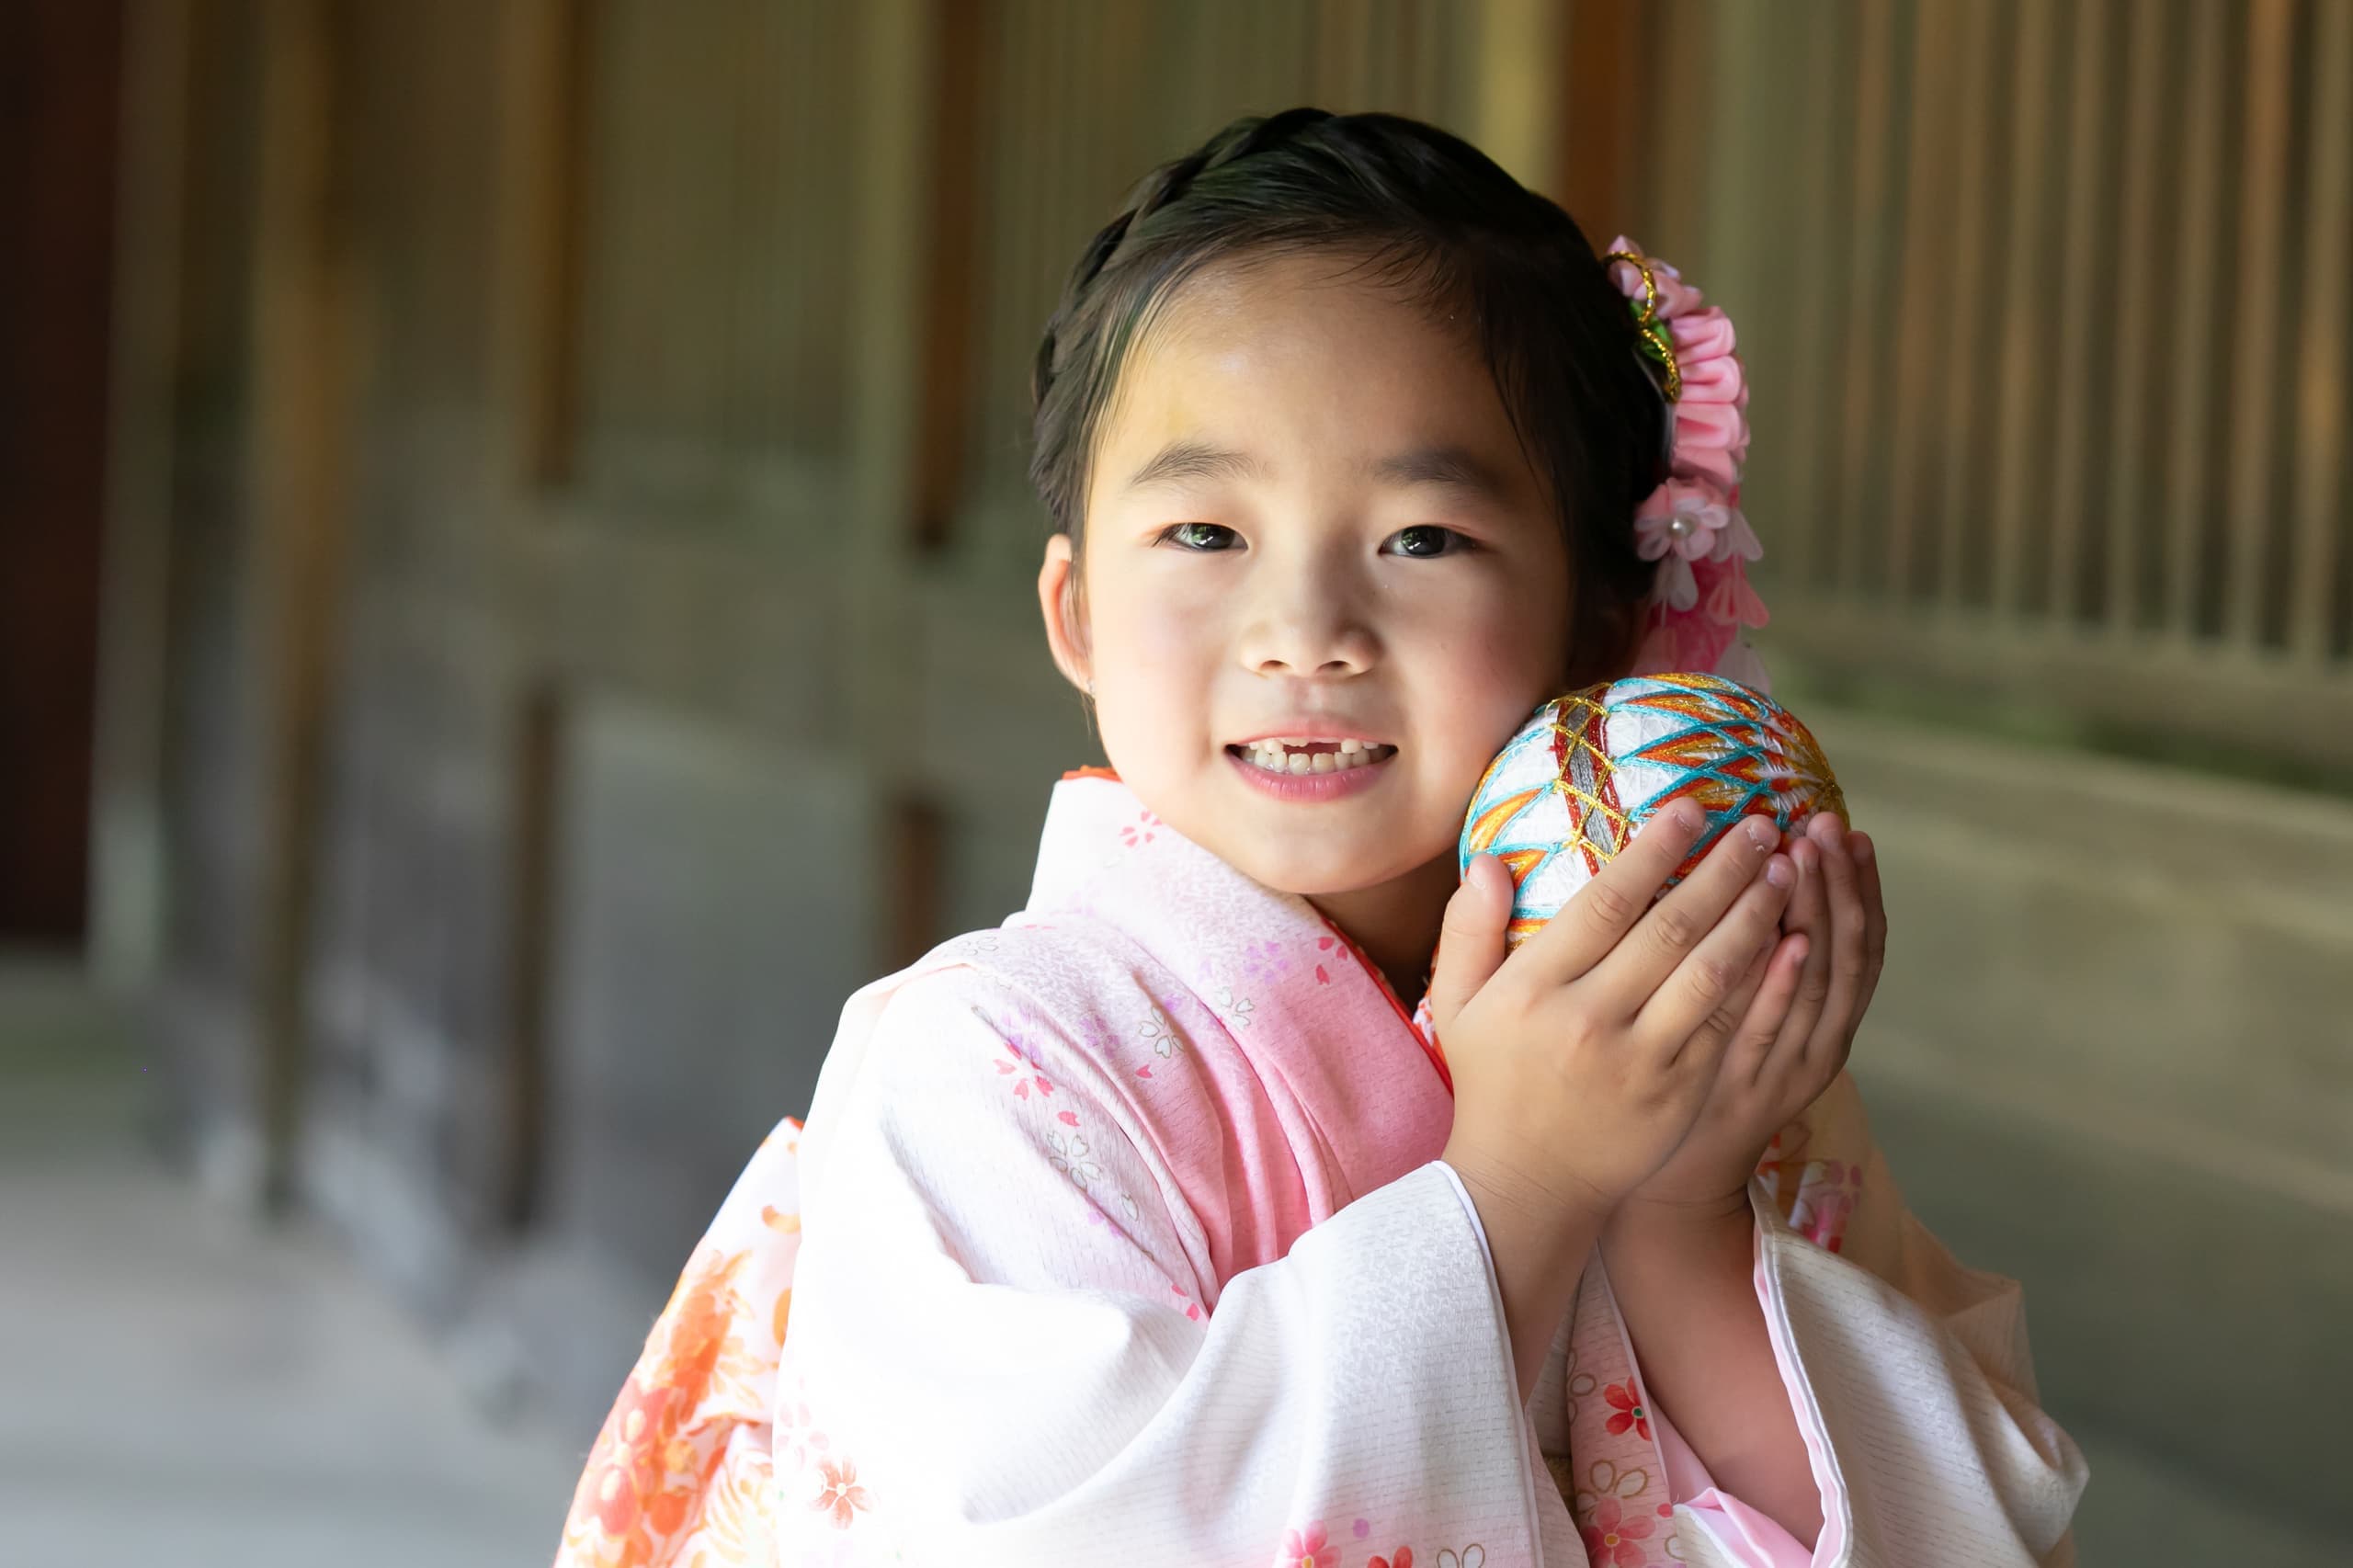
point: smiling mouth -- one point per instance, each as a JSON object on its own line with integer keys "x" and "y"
{"x": 1300, "y": 754}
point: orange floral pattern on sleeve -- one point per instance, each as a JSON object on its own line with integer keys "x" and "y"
{"x": 680, "y": 1474}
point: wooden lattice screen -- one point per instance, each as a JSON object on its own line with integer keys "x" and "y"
{"x": 2049, "y": 311}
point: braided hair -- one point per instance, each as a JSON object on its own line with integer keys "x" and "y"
{"x": 1425, "y": 212}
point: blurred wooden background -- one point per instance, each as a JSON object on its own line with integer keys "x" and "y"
{"x": 568, "y": 616}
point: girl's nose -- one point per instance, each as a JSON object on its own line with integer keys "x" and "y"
{"x": 1304, "y": 621}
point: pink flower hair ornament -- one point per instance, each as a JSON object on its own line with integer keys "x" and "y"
{"x": 1691, "y": 525}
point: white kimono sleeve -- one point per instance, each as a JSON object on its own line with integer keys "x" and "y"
{"x": 1909, "y": 1374}
{"x": 1007, "y": 1345}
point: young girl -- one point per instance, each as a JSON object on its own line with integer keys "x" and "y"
{"x": 1156, "y": 1227}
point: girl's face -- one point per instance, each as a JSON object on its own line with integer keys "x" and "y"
{"x": 1321, "y": 583}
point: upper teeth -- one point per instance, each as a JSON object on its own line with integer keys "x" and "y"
{"x": 1276, "y": 754}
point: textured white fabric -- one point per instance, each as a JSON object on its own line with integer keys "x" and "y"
{"x": 1006, "y": 1355}
{"x": 1917, "y": 1389}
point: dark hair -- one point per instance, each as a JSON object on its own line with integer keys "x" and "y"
{"x": 1428, "y": 211}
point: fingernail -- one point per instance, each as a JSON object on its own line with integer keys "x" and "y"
{"x": 1761, "y": 832}
{"x": 1677, "y": 816}
{"x": 1861, "y": 847}
{"x": 1778, "y": 872}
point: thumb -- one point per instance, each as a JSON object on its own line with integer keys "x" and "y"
{"x": 1471, "y": 943}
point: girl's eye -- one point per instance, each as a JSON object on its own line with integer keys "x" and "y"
{"x": 1425, "y": 541}
{"x": 1204, "y": 537}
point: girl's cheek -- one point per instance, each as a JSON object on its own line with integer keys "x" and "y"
{"x": 1496, "y": 682}
{"x": 1490, "y": 652}
{"x": 1170, "y": 630}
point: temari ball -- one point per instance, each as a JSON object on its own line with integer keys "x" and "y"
{"x": 1586, "y": 770}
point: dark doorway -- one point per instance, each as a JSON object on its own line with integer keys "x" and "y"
{"x": 59, "y": 66}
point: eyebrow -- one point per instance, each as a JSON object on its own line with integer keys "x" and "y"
{"x": 1446, "y": 468}
{"x": 1182, "y": 460}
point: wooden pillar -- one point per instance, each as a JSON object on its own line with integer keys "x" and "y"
{"x": 297, "y": 462}
{"x": 951, "y": 284}
{"x": 915, "y": 307}
{"x": 127, "y": 839}
{"x": 543, "y": 46}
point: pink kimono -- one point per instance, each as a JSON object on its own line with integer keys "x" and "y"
{"x": 1118, "y": 1234}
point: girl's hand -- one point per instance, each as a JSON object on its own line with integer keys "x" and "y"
{"x": 1580, "y": 1063}
{"x": 1812, "y": 991}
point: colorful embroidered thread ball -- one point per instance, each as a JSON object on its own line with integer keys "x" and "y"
{"x": 1588, "y": 769}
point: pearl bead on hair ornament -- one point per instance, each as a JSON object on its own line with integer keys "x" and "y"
{"x": 1588, "y": 769}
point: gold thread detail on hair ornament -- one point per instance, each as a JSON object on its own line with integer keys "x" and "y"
{"x": 1658, "y": 345}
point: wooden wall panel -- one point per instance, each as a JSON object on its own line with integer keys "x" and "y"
{"x": 1151, "y": 83}
{"x": 714, "y": 242}
{"x": 2058, "y": 321}
{"x": 659, "y": 192}
{"x": 714, "y": 890}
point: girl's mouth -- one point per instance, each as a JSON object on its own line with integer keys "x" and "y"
{"x": 1297, "y": 755}
{"x": 1307, "y": 770}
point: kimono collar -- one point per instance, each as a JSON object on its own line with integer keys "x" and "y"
{"x": 1289, "y": 987}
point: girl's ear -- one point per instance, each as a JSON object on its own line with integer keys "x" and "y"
{"x": 1065, "y": 616}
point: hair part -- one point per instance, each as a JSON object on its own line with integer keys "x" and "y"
{"x": 1428, "y": 213}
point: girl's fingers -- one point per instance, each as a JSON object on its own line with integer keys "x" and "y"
{"x": 1674, "y": 931}
{"x": 1875, "y": 932}
{"x": 1847, "y": 928}
{"x": 1606, "y": 908}
{"x": 1471, "y": 943}
{"x": 1769, "y": 1015}
{"x": 1681, "y": 1004}
{"x": 1729, "y": 1016}
{"x": 1810, "y": 913}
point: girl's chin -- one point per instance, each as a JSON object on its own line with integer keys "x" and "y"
{"x": 1328, "y": 850}
{"x": 1335, "y": 873}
